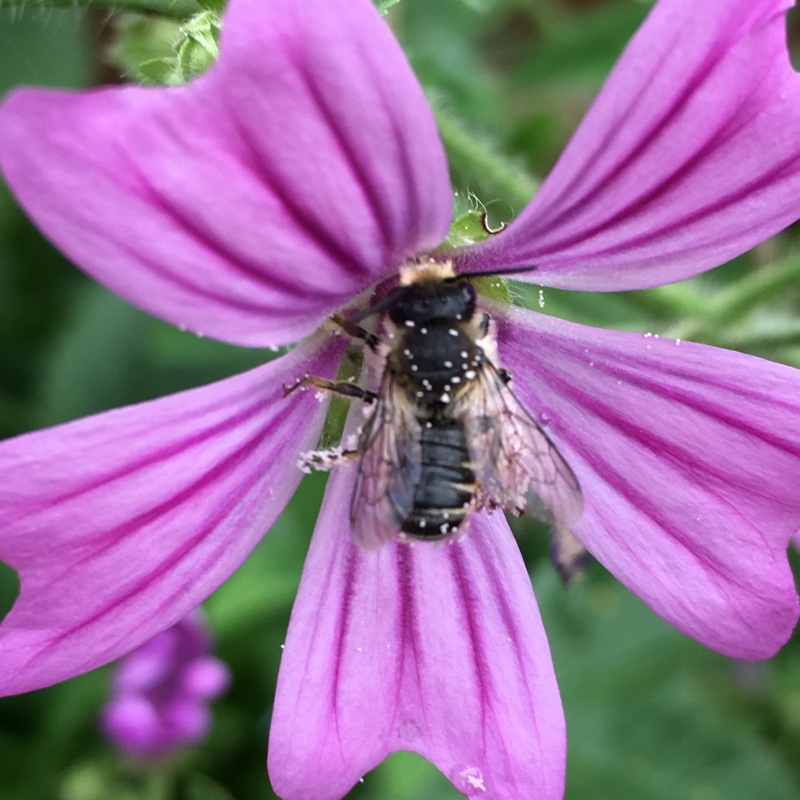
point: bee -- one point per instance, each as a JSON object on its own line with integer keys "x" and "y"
{"x": 444, "y": 434}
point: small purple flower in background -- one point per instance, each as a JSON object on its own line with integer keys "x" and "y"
{"x": 162, "y": 689}
{"x": 303, "y": 170}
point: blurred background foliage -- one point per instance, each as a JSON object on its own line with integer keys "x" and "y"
{"x": 651, "y": 714}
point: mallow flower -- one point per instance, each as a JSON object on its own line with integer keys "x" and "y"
{"x": 161, "y": 691}
{"x": 288, "y": 183}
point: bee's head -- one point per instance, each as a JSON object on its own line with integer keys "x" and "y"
{"x": 427, "y": 300}
{"x": 431, "y": 290}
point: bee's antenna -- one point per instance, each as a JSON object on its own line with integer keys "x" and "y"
{"x": 491, "y": 273}
{"x": 387, "y": 301}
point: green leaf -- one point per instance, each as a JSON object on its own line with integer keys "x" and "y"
{"x": 94, "y": 365}
{"x": 498, "y": 176}
{"x": 651, "y": 713}
{"x": 201, "y": 787}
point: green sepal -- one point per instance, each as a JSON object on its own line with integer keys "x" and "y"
{"x": 469, "y": 228}
{"x": 138, "y": 41}
{"x": 383, "y": 6}
{"x": 160, "y": 71}
{"x": 494, "y": 288}
{"x": 165, "y": 52}
{"x": 466, "y": 229}
{"x": 198, "y": 48}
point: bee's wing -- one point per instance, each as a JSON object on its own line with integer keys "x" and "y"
{"x": 516, "y": 465}
{"x": 389, "y": 470}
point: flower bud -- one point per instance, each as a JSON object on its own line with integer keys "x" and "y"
{"x": 160, "y": 691}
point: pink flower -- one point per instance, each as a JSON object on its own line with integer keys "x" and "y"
{"x": 161, "y": 691}
{"x": 303, "y": 170}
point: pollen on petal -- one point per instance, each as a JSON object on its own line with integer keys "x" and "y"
{"x": 469, "y": 780}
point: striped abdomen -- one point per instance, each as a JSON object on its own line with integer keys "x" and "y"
{"x": 446, "y": 482}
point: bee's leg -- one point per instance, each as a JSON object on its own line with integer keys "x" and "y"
{"x": 342, "y": 388}
{"x": 483, "y": 325}
{"x": 325, "y": 460}
{"x": 357, "y": 332}
{"x": 505, "y": 375}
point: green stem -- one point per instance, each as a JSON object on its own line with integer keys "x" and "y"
{"x": 733, "y": 303}
{"x": 549, "y": 16}
{"x": 471, "y": 154}
{"x": 159, "y": 785}
{"x": 763, "y": 341}
{"x": 176, "y": 9}
{"x": 673, "y": 299}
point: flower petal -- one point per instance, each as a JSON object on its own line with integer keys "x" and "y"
{"x": 688, "y": 458}
{"x": 248, "y": 205}
{"x": 689, "y": 157}
{"x": 121, "y": 523}
{"x": 435, "y": 649}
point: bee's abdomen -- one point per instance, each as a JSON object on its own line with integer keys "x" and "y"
{"x": 446, "y": 482}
